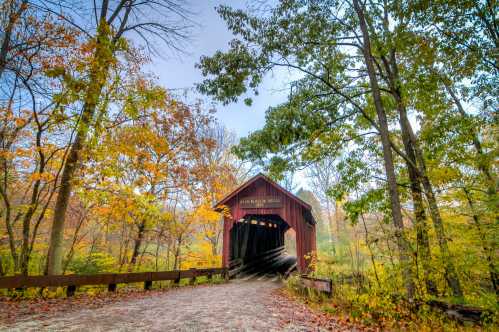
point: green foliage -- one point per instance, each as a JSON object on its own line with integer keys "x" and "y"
{"x": 330, "y": 114}
{"x": 94, "y": 263}
{"x": 357, "y": 295}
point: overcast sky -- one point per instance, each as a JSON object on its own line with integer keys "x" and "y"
{"x": 179, "y": 72}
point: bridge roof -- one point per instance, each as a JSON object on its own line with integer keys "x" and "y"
{"x": 257, "y": 177}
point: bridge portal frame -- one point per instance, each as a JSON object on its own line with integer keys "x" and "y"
{"x": 264, "y": 197}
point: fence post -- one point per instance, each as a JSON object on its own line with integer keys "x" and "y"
{"x": 111, "y": 288}
{"x": 193, "y": 278}
{"x": 70, "y": 291}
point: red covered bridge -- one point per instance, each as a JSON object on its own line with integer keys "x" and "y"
{"x": 259, "y": 212}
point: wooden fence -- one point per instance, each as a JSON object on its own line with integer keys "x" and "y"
{"x": 322, "y": 285}
{"x": 71, "y": 281}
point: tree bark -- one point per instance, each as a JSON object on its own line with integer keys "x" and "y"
{"x": 137, "y": 244}
{"x": 450, "y": 270}
{"x": 421, "y": 225}
{"x": 96, "y": 83}
{"x": 25, "y": 249}
{"x": 14, "y": 16}
{"x": 489, "y": 251}
{"x": 396, "y": 211}
{"x": 422, "y": 238}
{"x": 10, "y": 231}
{"x": 482, "y": 160}
{"x": 418, "y": 174}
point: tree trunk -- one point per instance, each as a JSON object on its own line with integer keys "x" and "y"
{"x": 176, "y": 261}
{"x": 10, "y": 231}
{"x": 489, "y": 252}
{"x": 450, "y": 270}
{"x": 156, "y": 256}
{"x": 2, "y": 272}
{"x": 98, "y": 74}
{"x": 417, "y": 173}
{"x": 337, "y": 217}
{"x": 329, "y": 229}
{"x": 14, "y": 16}
{"x": 25, "y": 249}
{"x": 396, "y": 211}
{"x": 483, "y": 162}
{"x": 422, "y": 238}
{"x": 371, "y": 253}
{"x": 137, "y": 244}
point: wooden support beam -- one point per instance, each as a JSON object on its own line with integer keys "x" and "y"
{"x": 176, "y": 281}
{"x": 147, "y": 284}
{"x": 111, "y": 288}
{"x": 192, "y": 281}
{"x": 70, "y": 290}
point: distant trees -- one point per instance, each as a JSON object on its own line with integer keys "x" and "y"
{"x": 323, "y": 177}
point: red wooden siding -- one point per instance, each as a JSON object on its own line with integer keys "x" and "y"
{"x": 292, "y": 212}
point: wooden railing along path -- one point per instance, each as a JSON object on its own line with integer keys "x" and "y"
{"x": 322, "y": 285}
{"x": 71, "y": 281}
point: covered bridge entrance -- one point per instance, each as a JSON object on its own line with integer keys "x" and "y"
{"x": 257, "y": 215}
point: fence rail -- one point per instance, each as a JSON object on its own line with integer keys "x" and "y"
{"x": 110, "y": 279}
{"x": 322, "y": 285}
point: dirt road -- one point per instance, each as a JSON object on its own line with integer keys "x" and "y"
{"x": 239, "y": 305}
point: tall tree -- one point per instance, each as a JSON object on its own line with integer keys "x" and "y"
{"x": 112, "y": 22}
{"x": 320, "y": 42}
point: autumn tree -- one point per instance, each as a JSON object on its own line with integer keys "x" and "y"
{"x": 149, "y": 159}
{"x": 218, "y": 173}
{"x": 109, "y": 25}
{"x": 33, "y": 45}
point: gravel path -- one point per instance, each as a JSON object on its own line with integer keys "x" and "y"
{"x": 235, "y": 306}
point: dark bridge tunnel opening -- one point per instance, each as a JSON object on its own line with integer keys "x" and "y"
{"x": 258, "y": 246}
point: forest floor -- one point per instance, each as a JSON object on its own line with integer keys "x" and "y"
{"x": 239, "y": 305}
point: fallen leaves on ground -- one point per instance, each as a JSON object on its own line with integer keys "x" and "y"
{"x": 13, "y": 310}
{"x": 290, "y": 309}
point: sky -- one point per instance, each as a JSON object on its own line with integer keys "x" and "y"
{"x": 178, "y": 72}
